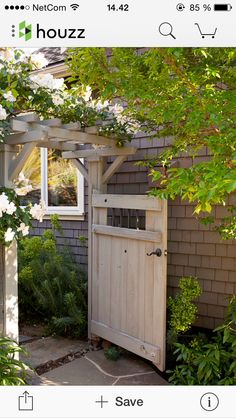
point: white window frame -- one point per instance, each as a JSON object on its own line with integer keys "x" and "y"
{"x": 70, "y": 211}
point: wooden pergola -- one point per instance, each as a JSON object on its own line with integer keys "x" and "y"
{"x": 28, "y": 132}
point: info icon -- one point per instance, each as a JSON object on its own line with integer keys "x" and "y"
{"x": 180, "y": 7}
{"x": 209, "y": 401}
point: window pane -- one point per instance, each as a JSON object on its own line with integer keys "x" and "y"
{"x": 32, "y": 171}
{"x": 62, "y": 181}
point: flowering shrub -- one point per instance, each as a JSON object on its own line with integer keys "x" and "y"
{"x": 22, "y": 90}
{"x": 15, "y": 221}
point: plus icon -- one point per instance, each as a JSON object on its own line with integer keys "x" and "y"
{"x": 101, "y": 401}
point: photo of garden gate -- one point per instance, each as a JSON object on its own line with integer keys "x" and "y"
{"x": 117, "y": 216}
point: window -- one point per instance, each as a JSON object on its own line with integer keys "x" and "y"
{"x": 56, "y": 181}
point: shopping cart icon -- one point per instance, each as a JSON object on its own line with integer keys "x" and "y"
{"x": 203, "y": 35}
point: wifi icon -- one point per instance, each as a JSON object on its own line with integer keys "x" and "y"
{"x": 74, "y": 6}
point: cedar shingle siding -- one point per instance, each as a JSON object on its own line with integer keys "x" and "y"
{"x": 193, "y": 249}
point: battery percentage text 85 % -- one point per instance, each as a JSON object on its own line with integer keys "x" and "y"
{"x": 198, "y": 7}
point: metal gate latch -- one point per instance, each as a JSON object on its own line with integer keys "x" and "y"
{"x": 157, "y": 252}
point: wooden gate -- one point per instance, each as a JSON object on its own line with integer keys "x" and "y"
{"x": 128, "y": 284}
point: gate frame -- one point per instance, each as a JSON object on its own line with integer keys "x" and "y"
{"x": 156, "y": 233}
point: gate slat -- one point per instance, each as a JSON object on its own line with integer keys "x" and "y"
{"x": 140, "y": 202}
{"x": 135, "y": 234}
{"x": 148, "y": 351}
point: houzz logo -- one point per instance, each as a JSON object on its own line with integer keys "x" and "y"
{"x": 25, "y": 30}
{"x": 66, "y": 33}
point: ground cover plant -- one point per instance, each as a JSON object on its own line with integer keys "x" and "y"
{"x": 52, "y": 287}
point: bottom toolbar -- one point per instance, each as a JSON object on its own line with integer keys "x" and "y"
{"x": 118, "y": 401}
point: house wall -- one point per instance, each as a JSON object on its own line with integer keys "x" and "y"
{"x": 72, "y": 230}
{"x": 193, "y": 249}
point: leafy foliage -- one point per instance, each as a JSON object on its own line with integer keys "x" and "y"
{"x": 187, "y": 94}
{"x": 227, "y": 227}
{"x": 210, "y": 362}
{"x": 182, "y": 310}
{"x": 52, "y": 287}
{"x": 112, "y": 353}
{"x": 12, "y": 371}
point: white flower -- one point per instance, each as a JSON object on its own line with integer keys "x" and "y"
{"x": 38, "y": 61}
{"x": 9, "y": 235}
{"x": 38, "y": 211}
{"x": 87, "y": 94}
{"x": 11, "y": 208}
{"x": 24, "y": 229}
{"x": 133, "y": 127}
{"x": 57, "y": 100}
{"x": 24, "y": 190}
{"x": 9, "y": 97}
{"x": 8, "y": 54}
{"x": 58, "y": 83}
{"x": 3, "y": 113}
{"x": 117, "y": 109}
{"x": 23, "y": 187}
{"x": 46, "y": 81}
{"x": 4, "y": 203}
{"x": 21, "y": 177}
{"x": 99, "y": 105}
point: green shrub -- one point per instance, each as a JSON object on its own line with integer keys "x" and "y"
{"x": 182, "y": 310}
{"x": 12, "y": 371}
{"x": 52, "y": 287}
{"x": 112, "y": 353}
{"x": 212, "y": 362}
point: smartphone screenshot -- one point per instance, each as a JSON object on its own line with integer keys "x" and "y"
{"x": 117, "y": 209}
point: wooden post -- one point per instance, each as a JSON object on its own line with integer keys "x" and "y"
{"x": 8, "y": 263}
{"x": 96, "y": 167}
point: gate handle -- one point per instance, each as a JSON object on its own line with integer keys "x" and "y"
{"x": 157, "y": 252}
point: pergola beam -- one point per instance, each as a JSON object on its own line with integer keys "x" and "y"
{"x": 62, "y": 146}
{"x": 101, "y": 152}
{"x": 80, "y": 137}
{"x": 26, "y": 137}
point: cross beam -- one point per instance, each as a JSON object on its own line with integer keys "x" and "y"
{"x": 29, "y": 132}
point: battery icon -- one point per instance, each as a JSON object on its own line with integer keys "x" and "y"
{"x": 222, "y": 7}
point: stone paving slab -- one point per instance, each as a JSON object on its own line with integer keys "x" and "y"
{"x": 95, "y": 369}
{"x": 25, "y": 339}
{"x": 128, "y": 363}
{"x": 151, "y": 379}
{"x": 78, "y": 372}
{"x": 50, "y": 349}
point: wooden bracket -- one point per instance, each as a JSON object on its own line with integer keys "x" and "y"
{"x": 80, "y": 166}
{"x": 19, "y": 161}
{"x": 113, "y": 168}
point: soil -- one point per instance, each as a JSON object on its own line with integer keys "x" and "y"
{"x": 34, "y": 331}
{"x": 50, "y": 365}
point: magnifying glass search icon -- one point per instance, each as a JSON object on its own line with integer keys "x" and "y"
{"x": 166, "y": 29}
